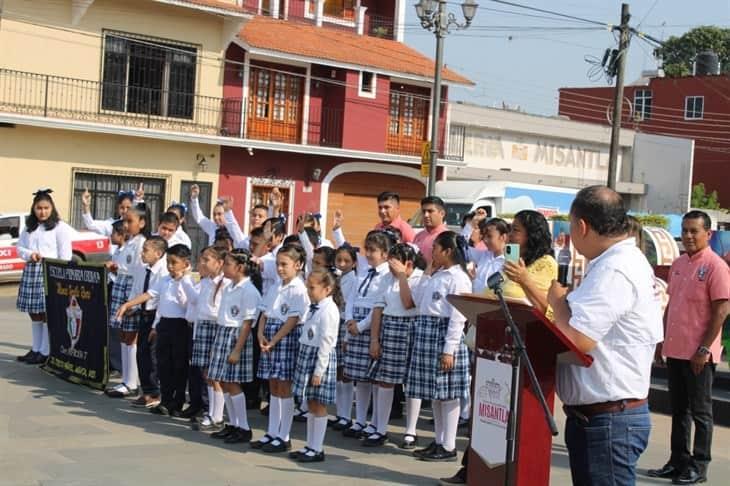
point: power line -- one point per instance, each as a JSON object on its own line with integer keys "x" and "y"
{"x": 550, "y": 12}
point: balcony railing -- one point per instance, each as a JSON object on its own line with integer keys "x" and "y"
{"x": 325, "y": 127}
{"x": 379, "y": 26}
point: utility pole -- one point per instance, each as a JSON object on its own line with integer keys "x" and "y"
{"x": 436, "y": 95}
{"x": 618, "y": 95}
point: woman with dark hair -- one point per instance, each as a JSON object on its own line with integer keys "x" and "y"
{"x": 44, "y": 236}
{"x": 533, "y": 274}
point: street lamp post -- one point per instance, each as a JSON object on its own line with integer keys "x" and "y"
{"x": 435, "y": 18}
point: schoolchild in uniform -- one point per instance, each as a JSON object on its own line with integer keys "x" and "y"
{"x": 279, "y": 327}
{"x": 274, "y": 232}
{"x": 359, "y": 315}
{"x": 316, "y": 369}
{"x": 231, "y": 361}
{"x": 180, "y": 236}
{"x": 390, "y": 340}
{"x": 175, "y": 292}
{"x": 495, "y": 235}
{"x": 346, "y": 262}
{"x": 124, "y": 201}
{"x": 155, "y": 260}
{"x": 212, "y": 285}
{"x": 128, "y": 264}
{"x": 439, "y": 363}
{"x": 206, "y": 224}
{"x": 43, "y": 236}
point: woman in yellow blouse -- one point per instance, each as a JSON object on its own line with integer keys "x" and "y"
{"x": 532, "y": 276}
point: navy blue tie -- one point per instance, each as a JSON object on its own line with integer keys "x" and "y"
{"x": 312, "y": 309}
{"x": 366, "y": 283}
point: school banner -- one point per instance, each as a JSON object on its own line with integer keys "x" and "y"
{"x": 76, "y": 310}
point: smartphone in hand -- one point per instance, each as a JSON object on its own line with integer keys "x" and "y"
{"x": 512, "y": 253}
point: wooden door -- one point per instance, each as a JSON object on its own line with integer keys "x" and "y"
{"x": 407, "y": 124}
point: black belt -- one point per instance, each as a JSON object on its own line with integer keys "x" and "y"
{"x": 604, "y": 407}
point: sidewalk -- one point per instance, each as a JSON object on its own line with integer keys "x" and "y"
{"x": 57, "y": 433}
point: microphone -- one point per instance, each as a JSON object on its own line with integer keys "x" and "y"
{"x": 495, "y": 281}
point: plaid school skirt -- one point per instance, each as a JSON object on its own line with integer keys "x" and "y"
{"x": 341, "y": 333}
{"x": 219, "y": 369}
{"x": 31, "y": 293}
{"x": 279, "y": 363}
{"x": 203, "y": 339}
{"x": 121, "y": 293}
{"x": 395, "y": 342}
{"x": 302, "y": 391}
{"x": 357, "y": 355}
{"x": 425, "y": 379}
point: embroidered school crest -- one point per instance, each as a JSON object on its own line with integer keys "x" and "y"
{"x": 702, "y": 273}
{"x": 284, "y": 308}
{"x": 435, "y": 296}
{"x": 74, "y": 316}
{"x": 129, "y": 259}
{"x": 310, "y": 333}
{"x": 235, "y": 310}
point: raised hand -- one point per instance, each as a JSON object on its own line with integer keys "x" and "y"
{"x": 139, "y": 193}
{"x": 338, "y": 220}
{"x": 194, "y": 191}
{"x": 86, "y": 199}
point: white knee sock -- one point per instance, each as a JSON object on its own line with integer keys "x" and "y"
{"x": 219, "y": 401}
{"x": 230, "y": 410}
{"x": 438, "y": 421}
{"x": 363, "y": 391}
{"x": 274, "y": 416}
{"x": 45, "y": 341}
{"x": 132, "y": 370}
{"x": 319, "y": 430}
{"x": 465, "y": 410}
{"x": 385, "y": 402}
{"x": 304, "y": 406}
{"x": 344, "y": 399}
{"x": 211, "y": 400}
{"x": 310, "y": 430}
{"x": 125, "y": 364}
{"x": 374, "y": 416}
{"x": 287, "y": 415}
{"x": 239, "y": 404}
{"x": 413, "y": 410}
{"x": 36, "y": 328}
{"x": 450, "y": 415}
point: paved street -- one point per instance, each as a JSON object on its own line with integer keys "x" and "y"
{"x": 57, "y": 433}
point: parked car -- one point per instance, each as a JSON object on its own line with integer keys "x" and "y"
{"x": 87, "y": 246}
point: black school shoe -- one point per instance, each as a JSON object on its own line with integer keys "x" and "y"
{"x": 439, "y": 455}
{"x": 430, "y": 448}
{"x": 352, "y": 432}
{"x": 160, "y": 409}
{"x": 277, "y": 445}
{"x": 224, "y": 432}
{"x": 375, "y": 440}
{"x": 29, "y": 355}
{"x": 37, "y": 359}
{"x": 238, "y": 436}
{"x": 190, "y": 412}
{"x": 409, "y": 445}
{"x": 690, "y": 476}
{"x": 311, "y": 456}
{"x": 667, "y": 471}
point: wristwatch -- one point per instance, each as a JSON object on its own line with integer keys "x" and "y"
{"x": 703, "y": 350}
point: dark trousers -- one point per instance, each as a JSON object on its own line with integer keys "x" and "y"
{"x": 691, "y": 399}
{"x": 256, "y": 389}
{"x": 172, "y": 361}
{"x": 147, "y": 357}
{"x": 196, "y": 384}
{"x": 115, "y": 350}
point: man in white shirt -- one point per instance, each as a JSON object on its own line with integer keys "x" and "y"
{"x": 615, "y": 316}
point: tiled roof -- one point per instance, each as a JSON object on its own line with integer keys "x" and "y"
{"x": 329, "y": 44}
{"x": 220, "y": 5}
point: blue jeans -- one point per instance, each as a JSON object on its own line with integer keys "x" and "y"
{"x": 604, "y": 450}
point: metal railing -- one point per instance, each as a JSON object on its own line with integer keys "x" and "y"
{"x": 379, "y": 26}
{"x": 325, "y": 126}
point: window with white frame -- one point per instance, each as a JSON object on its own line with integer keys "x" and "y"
{"x": 642, "y": 104}
{"x": 694, "y": 107}
{"x": 367, "y": 84}
{"x": 148, "y": 76}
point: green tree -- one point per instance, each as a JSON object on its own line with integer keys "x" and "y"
{"x": 679, "y": 52}
{"x": 702, "y": 200}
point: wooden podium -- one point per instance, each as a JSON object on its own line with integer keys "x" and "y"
{"x": 546, "y": 345}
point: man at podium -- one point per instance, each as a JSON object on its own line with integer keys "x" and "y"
{"x": 615, "y": 316}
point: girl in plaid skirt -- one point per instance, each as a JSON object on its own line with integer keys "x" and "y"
{"x": 346, "y": 263}
{"x": 231, "y": 359}
{"x": 212, "y": 284}
{"x": 279, "y": 327}
{"x": 359, "y": 314}
{"x": 315, "y": 372}
{"x": 44, "y": 236}
{"x": 439, "y": 364}
{"x": 391, "y": 340}
{"x": 126, "y": 264}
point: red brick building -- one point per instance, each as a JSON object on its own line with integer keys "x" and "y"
{"x": 695, "y": 107}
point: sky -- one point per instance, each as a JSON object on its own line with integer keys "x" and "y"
{"x": 514, "y": 63}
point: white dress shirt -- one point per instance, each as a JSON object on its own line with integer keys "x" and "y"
{"x": 240, "y": 302}
{"x": 130, "y": 257}
{"x": 180, "y": 237}
{"x": 55, "y": 243}
{"x": 205, "y": 223}
{"x": 348, "y": 284}
{"x": 375, "y": 289}
{"x": 286, "y": 300}
{"x": 240, "y": 240}
{"x": 157, "y": 272}
{"x": 617, "y": 306}
{"x": 209, "y": 297}
{"x": 430, "y": 298}
{"x": 320, "y": 330}
{"x": 174, "y": 297}
{"x": 390, "y": 300}
{"x": 269, "y": 276}
{"x": 487, "y": 266}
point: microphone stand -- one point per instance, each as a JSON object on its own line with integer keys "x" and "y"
{"x": 519, "y": 355}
